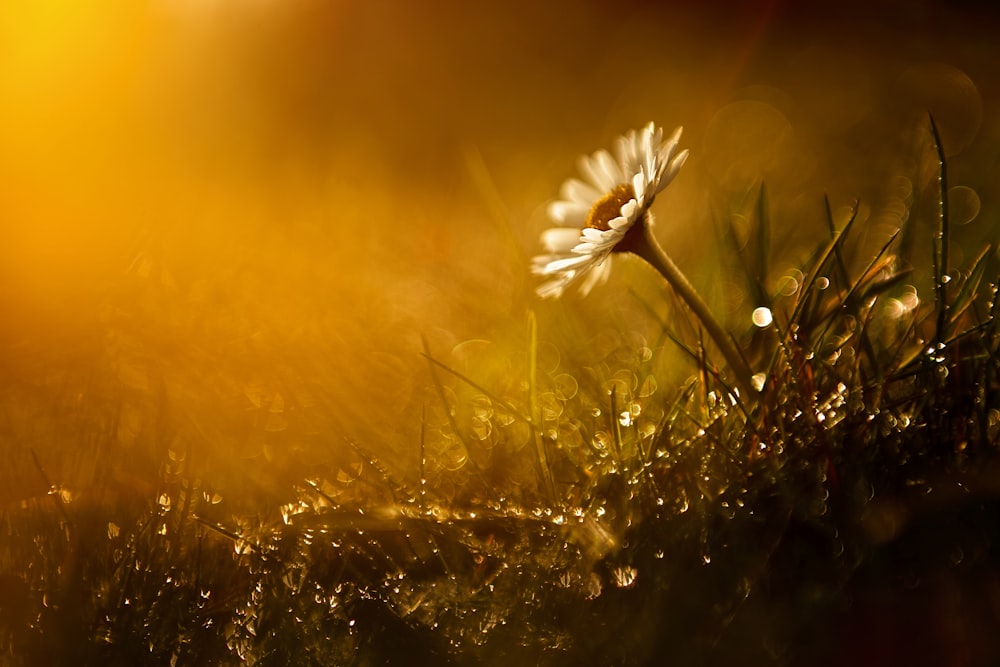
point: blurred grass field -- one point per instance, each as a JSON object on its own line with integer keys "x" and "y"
{"x": 241, "y": 192}
{"x": 252, "y": 253}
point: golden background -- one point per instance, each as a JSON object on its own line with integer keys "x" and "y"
{"x": 227, "y": 229}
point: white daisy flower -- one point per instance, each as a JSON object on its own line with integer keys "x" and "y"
{"x": 598, "y": 215}
{"x": 609, "y": 212}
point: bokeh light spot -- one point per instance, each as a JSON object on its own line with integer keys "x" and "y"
{"x": 762, "y": 317}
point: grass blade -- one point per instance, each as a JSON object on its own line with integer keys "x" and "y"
{"x": 944, "y": 232}
{"x": 818, "y": 266}
{"x": 969, "y": 290}
{"x": 536, "y": 415}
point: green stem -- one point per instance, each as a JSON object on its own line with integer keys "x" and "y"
{"x": 641, "y": 242}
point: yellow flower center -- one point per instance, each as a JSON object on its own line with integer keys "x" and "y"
{"x": 609, "y": 207}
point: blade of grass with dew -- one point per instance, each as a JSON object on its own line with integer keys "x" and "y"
{"x": 616, "y": 431}
{"x": 944, "y": 233}
{"x": 705, "y": 429}
{"x": 993, "y": 361}
{"x": 666, "y": 333}
{"x": 841, "y": 266}
{"x": 536, "y": 412}
{"x": 896, "y": 361}
{"x": 969, "y": 289}
{"x": 423, "y": 459}
{"x": 396, "y": 488}
{"x": 813, "y": 275}
{"x": 855, "y": 288}
{"x": 882, "y": 285}
{"x": 844, "y": 278}
{"x": 670, "y": 416}
{"x": 705, "y": 372}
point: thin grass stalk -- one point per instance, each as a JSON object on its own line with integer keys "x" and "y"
{"x": 536, "y": 412}
{"x": 763, "y": 249}
{"x": 941, "y": 256}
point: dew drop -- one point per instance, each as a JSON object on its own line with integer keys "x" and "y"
{"x": 685, "y": 504}
{"x": 594, "y": 586}
{"x": 625, "y": 576}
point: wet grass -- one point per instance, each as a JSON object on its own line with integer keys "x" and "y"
{"x": 579, "y": 511}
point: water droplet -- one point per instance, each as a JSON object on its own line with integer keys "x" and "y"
{"x": 601, "y": 441}
{"x": 685, "y": 504}
{"x": 624, "y": 576}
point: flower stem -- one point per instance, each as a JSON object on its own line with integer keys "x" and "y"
{"x": 642, "y": 243}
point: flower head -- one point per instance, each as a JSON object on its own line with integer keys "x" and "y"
{"x": 596, "y": 214}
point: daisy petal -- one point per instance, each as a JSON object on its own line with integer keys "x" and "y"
{"x": 560, "y": 239}
{"x": 568, "y": 212}
{"x": 576, "y": 191}
{"x": 640, "y": 185}
{"x": 559, "y": 265}
{"x": 630, "y": 208}
{"x": 672, "y": 170}
{"x": 597, "y": 275}
{"x": 609, "y": 169}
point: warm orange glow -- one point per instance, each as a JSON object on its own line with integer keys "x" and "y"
{"x": 256, "y": 212}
